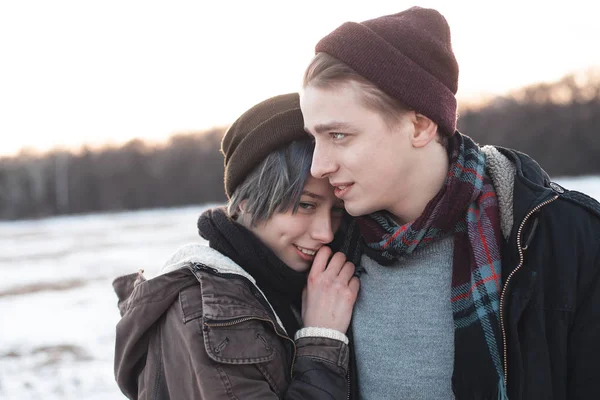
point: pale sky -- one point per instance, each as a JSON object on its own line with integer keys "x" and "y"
{"x": 94, "y": 72}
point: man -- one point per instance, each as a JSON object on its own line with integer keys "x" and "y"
{"x": 481, "y": 276}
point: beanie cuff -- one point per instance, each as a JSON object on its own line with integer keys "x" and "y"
{"x": 378, "y": 61}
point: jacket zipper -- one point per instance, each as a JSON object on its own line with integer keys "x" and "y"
{"x": 504, "y": 289}
{"x": 348, "y": 380}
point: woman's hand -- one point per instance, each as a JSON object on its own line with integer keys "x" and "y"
{"x": 330, "y": 293}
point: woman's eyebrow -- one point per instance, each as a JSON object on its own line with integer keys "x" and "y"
{"x": 313, "y": 195}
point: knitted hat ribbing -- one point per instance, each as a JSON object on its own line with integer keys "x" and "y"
{"x": 407, "y": 55}
{"x": 262, "y": 129}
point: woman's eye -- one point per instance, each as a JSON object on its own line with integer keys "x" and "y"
{"x": 306, "y": 206}
{"x": 338, "y": 136}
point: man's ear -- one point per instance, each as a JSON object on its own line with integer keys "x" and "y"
{"x": 425, "y": 131}
{"x": 242, "y": 205}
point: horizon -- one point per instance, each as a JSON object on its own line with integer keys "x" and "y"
{"x": 103, "y": 74}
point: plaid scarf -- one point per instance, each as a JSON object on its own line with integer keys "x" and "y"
{"x": 467, "y": 208}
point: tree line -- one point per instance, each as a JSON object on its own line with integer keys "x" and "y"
{"x": 556, "y": 123}
{"x": 186, "y": 170}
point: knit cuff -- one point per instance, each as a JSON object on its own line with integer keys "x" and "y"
{"x": 313, "y": 331}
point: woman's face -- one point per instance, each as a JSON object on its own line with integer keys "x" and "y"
{"x": 295, "y": 238}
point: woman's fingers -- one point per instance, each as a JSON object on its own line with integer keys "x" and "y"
{"x": 354, "y": 285}
{"x": 346, "y": 272}
{"x": 335, "y": 265}
{"x": 330, "y": 293}
{"x": 320, "y": 262}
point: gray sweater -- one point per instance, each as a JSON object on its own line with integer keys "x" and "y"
{"x": 403, "y": 326}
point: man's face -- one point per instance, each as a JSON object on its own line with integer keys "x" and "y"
{"x": 369, "y": 162}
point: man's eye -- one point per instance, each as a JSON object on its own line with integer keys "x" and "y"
{"x": 337, "y": 135}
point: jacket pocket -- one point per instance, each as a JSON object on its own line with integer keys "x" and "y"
{"x": 240, "y": 341}
{"x": 251, "y": 344}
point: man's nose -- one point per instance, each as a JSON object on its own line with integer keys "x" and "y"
{"x": 322, "y": 164}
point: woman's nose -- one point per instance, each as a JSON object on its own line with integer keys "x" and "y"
{"x": 322, "y": 229}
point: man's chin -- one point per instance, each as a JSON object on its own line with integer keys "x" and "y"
{"x": 356, "y": 210}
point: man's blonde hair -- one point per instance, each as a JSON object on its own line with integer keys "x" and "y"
{"x": 325, "y": 71}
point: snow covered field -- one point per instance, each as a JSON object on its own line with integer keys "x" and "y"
{"x": 56, "y": 300}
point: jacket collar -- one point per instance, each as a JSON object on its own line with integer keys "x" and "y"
{"x": 197, "y": 257}
{"x": 516, "y": 176}
{"x": 201, "y": 254}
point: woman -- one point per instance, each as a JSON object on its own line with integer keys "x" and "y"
{"x": 224, "y": 321}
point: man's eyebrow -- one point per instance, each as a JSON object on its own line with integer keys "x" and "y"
{"x": 332, "y": 126}
{"x": 313, "y": 195}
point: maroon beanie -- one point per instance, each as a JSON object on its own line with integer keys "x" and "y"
{"x": 407, "y": 55}
{"x": 264, "y": 128}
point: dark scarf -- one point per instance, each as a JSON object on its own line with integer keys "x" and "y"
{"x": 467, "y": 208}
{"x": 281, "y": 285}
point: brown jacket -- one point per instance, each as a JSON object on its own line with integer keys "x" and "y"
{"x": 203, "y": 330}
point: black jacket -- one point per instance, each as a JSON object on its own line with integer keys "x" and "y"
{"x": 550, "y": 301}
{"x": 551, "y": 298}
